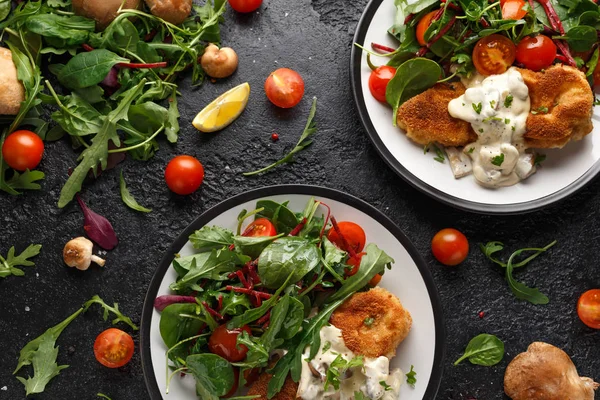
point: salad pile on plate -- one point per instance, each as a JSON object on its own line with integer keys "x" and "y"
{"x": 271, "y": 286}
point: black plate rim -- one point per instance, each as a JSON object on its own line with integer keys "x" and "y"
{"x": 317, "y": 191}
{"x": 398, "y": 168}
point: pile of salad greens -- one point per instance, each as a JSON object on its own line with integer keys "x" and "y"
{"x": 112, "y": 91}
{"x": 269, "y": 284}
{"x": 457, "y": 25}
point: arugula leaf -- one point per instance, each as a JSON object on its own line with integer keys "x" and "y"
{"x": 219, "y": 262}
{"x": 103, "y": 396}
{"x": 411, "y": 377}
{"x": 8, "y": 265}
{"x": 128, "y": 199}
{"x": 114, "y": 309}
{"x": 484, "y": 349}
{"x": 211, "y": 237}
{"x": 303, "y": 142}
{"x": 172, "y": 126}
{"x": 44, "y": 367}
{"x": 338, "y": 367}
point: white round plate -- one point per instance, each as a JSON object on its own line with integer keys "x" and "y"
{"x": 563, "y": 172}
{"x": 409, "y": 279}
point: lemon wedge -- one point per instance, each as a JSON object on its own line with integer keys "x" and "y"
{"x": 223, "y": 110}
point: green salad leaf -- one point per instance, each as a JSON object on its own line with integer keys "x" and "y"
{"x": 180, "y": 321}
{"x": 484, "y": 349}
{"x": 281, "y": 216}
{"x": 89, "y": 68}
{"x": 8, "y": 265}
{"x": 287, "y": 258}
{"x": 114, "y": 309}
{"x": 128, "y": 199}
{"x": 214, "y": 375}
{"x": 211, "y": 237}
{"x": 44, "y": 367}
{"x": 219, "y": 262}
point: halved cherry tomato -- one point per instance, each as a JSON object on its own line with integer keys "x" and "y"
{"x": 245, "y": 6}
{"x": 354, "y": 262}
{"x": 353, "y": 233}
{"x": 513, "y": 9}
{"x": 588, "y": 308}
{"x": 284, "y": 87}
{"x": 223, "y": 342}
{"x": 379, "y": 79}
{"x": 113, "y": 348}
{"x": 493, "y": 54}
{"x": 236, "y": 382}
{"x": 450, "y": 247}
{"x": 23, "y": 150}
{"x": 260, "y": 227}
{"x": 422, "y": 27}
{"x": 375, "y": 280}
{"x": 184, "y": 174}
{"x": 536, "y": 52}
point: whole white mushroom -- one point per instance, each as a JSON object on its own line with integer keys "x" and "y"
{"x": 78, "y": 253}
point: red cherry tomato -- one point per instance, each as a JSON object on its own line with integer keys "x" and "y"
{"x": 353, "y": 233}
{"x": 113, "y": 348}
{"x": 223, "y": 342}
{"x": 422, "y": 27}
{"x": 379, "y": 79}
{"x": 260, "y": 227}
{"x": 236, "y": 382}
{"x": 245, "y": 6}
{"x": 493, "y": 54}
{"x": 536, "y": 52}
{"x": 588, "y": 308}
{"x": 354, "y": 262}
{"x": 513, "y": 9}
{"x": 284, "y": 87}
{"x": 184, "y": 174}
{"x": 23, "y": 150}
{"x": 450, "y": 247}
{"x": 375, "y": 280}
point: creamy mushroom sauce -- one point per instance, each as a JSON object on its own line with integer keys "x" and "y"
{"x": 497, "y": 108}
{"x": 364, "y": 379}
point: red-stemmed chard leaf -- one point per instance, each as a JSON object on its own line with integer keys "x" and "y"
{"x": 98, "y": 228}
{"x": 161, "y": 302}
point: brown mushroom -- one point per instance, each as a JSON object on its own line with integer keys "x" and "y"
{"x": 102, "y": 11}
{"x": 545, "y": 372}
{"x": 219, "y": 63}
{"x": 12, "y": 92}
{"x": 78, "y": 253}
{"x": 173, "y": 11}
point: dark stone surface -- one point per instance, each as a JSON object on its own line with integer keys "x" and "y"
{"x": 315, "y": 39}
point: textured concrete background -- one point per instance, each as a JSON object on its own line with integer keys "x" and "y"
{"x": 314, "y": 38}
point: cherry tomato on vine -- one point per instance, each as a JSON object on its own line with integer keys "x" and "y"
{"x": 284, "y": 87}
{"x": 513, "y": 9}
{"x": 223, "y": 342}
{"x": 245, "y": 6}
{"x": 113, "y": 348}
{"x": 588, "y": 308}
{"x": 260, "y": 227}
{"x": 184, "y": 174}
{"x": 23, "y": 150}
{"x": 536, "y": 52}
{"x": 422, "y": 27}
{"x": 450, "y": 247}
{"x": 493, "y": 54}
{"x": 378, "y": 81}
{"x": 353, "y": 233}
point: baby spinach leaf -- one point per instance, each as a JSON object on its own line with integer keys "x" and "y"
{"x": 253, "y": 246}
{"x": 211, "y": 237}
{"x": 147, "y": 117}
{"x": 44, "y": 367}
{"x": 180, "y": 321}
{"x": 128, "y": 199}
{"x": 5, "y": 6}
{"x": 287, "y": 257}
{"x": 9, "y": 265}
{"x": 61, "y": 31}
{"x": 400, "y": 58}
{"x": 411, "y": 78}
{"x": 484, "y": 349}
{"x": 88, "y": 68}
{"x": 371, "y": 264}
{"x": 214, "y": 375}
{"x": 582, "y": 38}
{"x": 281, "y": 216}
{"x": 114, "y": 309}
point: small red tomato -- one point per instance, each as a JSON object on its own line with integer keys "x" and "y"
{"x": 284, "y": 87}
{"x": 588, "y": 308}
{"x": 422, "y": 27}
{"x": 493, "y": 54}
{"x": 23, "y": 150}
{"x": 260, "y": 227}
{"x": 274, "y": 137}
{"x": 223, "y": 342}
{"x": 113, "y": 348}
{"x": 375, "y": 280}
{"x": 536, "y": 52}
{"x": 513, "y": 9}
{"x": 353, "y": 233}
{"x": 245, "y": 6}
{"x": 379, "y": 80}
{"x": 450, "y": 247}
{"x": 184, "y": 174}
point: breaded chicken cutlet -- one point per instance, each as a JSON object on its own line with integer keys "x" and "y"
{"x": 563, "y": 90}
{"x": 391, "y": 324}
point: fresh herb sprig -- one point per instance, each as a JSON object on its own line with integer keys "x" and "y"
{"x": 114, "y": 309}
{"x": 411, "y": 376}
{"x": 8, "y": 265}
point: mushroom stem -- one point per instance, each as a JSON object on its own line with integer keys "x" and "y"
{"x": 98, "y": 260}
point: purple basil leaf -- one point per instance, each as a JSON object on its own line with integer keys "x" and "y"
{"x": 98, "y": 228}
{"x": 161, "y": 302}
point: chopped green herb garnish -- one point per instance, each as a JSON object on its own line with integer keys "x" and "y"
{"x": 596, "y": 101}
{"x": 498, "y": 160}
{"x": 439, "y": 155}
{"x": 539, "y": 159}
{"x": 471, "y": 150}
{"x": 326, "y": 346}
{"x": 368, "y": 321}
{"x": 385, "y": 386}
{"x": 480, "y": 130}
{"x": 508, "y": 101}
{"x": 426, "y": 148}
{"x": 411, "y": 377}
{"x": 540, "y": 110}
{"x": 514, "y": 128}
{"x": 492, "y": 119}
{"x": 506, "y": 121}
{"x": 477, "y": 107}
{"x": 493, "y": 103}
{"x": 338, "y": 367}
